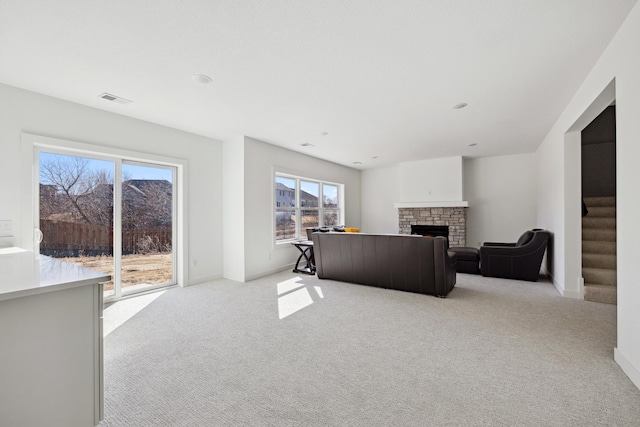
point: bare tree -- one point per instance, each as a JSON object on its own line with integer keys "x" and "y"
{"x": 71, "y": 190}
{"x": 146, "y": 203}
{"x": 84, "y": 193}
{"x": 98, "y": 201}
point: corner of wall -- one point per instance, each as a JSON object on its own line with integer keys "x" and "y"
{"x": 627, "y": 367}
{"x": 233, "y": 209}
{"x": 204, "y": 279}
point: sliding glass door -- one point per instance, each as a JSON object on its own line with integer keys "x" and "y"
{"x": 110, "y": 215}
{"x": 147, "y": 226}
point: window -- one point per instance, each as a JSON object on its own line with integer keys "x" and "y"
{"x": 302, "y": 203}
{"x": 111, "y": 210}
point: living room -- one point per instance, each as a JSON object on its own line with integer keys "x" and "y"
{"x": 227, "y": 207}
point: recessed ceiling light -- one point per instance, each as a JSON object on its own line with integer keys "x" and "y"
{"x": 460, "y": 105}
{"x": 473, "y": 144}
{"x": 201, "y": 78}
{"x": 306, "y": 144}
{"x": 323, "y": 133}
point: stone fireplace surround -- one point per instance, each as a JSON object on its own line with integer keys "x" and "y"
{"x": 453, "y": 216}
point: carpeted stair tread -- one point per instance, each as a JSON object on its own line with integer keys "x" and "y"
{"x": 596, "y": 247}
{"x": 599, "y": 222}
{"x": 600, "y": 276}
{"x": 601, "y": 293}
{"x": 600, "y": 201}
{"x": 599, "y": 261}
{"x": 601, "y": 212}
{"x": 599, "y": 234}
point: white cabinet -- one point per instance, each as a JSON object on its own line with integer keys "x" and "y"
{"x": 51, "y": 348}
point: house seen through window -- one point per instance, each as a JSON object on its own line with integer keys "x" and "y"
{"x": 302, "y": 203}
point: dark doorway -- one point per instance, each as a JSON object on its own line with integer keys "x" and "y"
{"x": 599, "y": 259}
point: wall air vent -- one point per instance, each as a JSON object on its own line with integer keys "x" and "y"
{"x": 110, "y": 97}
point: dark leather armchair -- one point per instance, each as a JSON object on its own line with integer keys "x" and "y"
{"x": 520, "y": 260}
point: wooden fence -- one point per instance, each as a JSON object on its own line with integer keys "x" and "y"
{"x": 74, "y": 239}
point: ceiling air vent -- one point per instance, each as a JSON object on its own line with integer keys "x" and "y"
{"x": 110, "y": 97}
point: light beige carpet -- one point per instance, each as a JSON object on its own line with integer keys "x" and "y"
{"x": 293, "y": 350}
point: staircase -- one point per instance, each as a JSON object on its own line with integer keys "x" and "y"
{"x": 599, "y": 266}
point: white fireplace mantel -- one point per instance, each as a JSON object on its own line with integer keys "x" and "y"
{"x": 453, "y": 204}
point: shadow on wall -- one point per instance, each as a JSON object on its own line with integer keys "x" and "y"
{"x": 548, "y": 261}
{"x": 5, "y": 242}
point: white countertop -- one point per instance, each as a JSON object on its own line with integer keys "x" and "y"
{"x": 23, "y": 273}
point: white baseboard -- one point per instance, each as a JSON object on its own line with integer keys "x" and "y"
{"x": 269, "y": 272}
{"x": 199, "y": 280}
{"x": 561, "y": 290}
{"x": 555, "y": 283}
{"x": 545, "y": 272}
{"x": 627, "y": 367}
{"x": 572, "y": 294}
{"x": 249, "y": 277}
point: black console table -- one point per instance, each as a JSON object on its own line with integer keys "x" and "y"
{"x": 306, "y": 251}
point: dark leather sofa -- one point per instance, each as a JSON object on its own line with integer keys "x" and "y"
{"x": 402, "y": 262}
{"x": 520, "y": 260}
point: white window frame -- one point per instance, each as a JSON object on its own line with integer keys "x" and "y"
{"x": 32, "y": 145}
{"x": 298, "y": 205}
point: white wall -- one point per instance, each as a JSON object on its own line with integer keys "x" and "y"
{"x": 432, "y": 180}
{"x": 490, "y": 185}
{"x": 379, "y": 193}
{"x": 501, "y": 192}
{"x": 557, "y": 181}
{"x": 233, "y": 173}
{"x": 262, "y": 255}
{"x": 24, "y": 111}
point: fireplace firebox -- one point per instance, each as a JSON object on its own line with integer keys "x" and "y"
{"x": 431, "y": 230}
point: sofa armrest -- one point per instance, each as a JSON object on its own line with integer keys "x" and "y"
{"x": 505, "y": 250}
{"x": 498, "y": 244}
{"x": 445, "y": 266}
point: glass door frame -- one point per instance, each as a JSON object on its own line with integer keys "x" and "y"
{"x": 174, "y": 258}
{"x": 31, "y": 147}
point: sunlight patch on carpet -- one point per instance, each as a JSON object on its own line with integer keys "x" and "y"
{"x": 293, "y": 296}
{"x": 289, "y": 285}
{"x": 117, "y": 314}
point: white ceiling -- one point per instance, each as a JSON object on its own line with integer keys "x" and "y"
{"x": 380, "y": 76}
